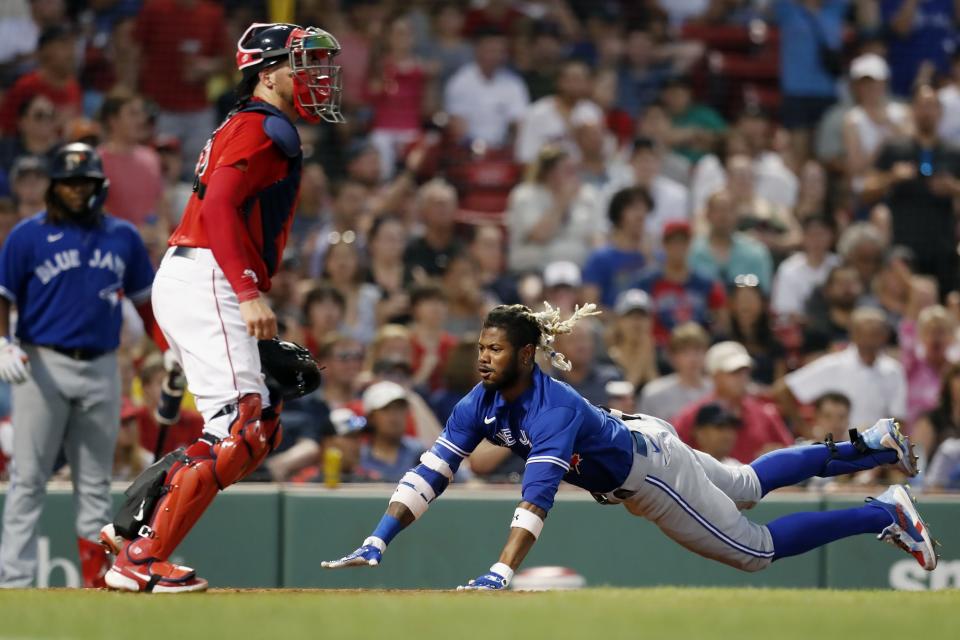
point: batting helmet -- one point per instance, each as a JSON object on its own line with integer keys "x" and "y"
{"x": 289, "y": 369}
{"x": 79, "y": 160}
{"x": 310, "y": 52}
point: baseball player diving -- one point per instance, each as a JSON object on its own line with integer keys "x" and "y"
{"x": 208, "y": 303}
{"x": 638, "y": 461}
{"x": 66, "y": 270}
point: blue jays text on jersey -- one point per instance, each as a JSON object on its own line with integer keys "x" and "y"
{"x": 68, "y": 280}
{"x": 551, "y": 426}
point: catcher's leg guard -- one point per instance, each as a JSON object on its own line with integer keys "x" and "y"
{"x": 272, "y": 429}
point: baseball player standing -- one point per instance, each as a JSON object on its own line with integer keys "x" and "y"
{"x": 66, "y": 270}
{"x": 638, "y": 461}
{"x": 207, "y": 295}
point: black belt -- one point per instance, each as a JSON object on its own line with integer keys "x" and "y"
{"x": 186, "y": 252}
{"x": 75, "y": 354}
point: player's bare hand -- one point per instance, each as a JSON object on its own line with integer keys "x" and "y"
{"x": 14, "y": 364}
{"x": 259, "y": 318}
{"x": 368, "y": 555}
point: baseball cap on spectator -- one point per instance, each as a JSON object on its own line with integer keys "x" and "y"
{"x": 345, "y": 422}
{"x": 28, "y": 164}
{"x": 727, "y": 357}
{"x": 677, "y": 227}
{"x": 632, "y": 300}
{"x": 53, "y": 34}
{"x": 869, "y": 65}
{"x": 380, "y": 394}
{"x": 167, "y": 142}
{"x": 562, "y": 273}
{"x": 713, "y": 414}
{"x": 619, "y": 389}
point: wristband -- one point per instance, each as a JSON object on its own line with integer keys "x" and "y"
{"x": 528, "y": 520}
{"x": 503, "y": 571}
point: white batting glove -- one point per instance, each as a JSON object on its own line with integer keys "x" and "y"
{"x": 14, "y": 365}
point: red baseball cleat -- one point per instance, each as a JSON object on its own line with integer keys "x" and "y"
{"x": 154, "y": 576}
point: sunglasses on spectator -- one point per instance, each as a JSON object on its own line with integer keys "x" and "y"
{"x": 42, "y": 115}
{"x": 347, "y": 237}
{"x": 346, "y": 356}
{"x": 746, "y": 281}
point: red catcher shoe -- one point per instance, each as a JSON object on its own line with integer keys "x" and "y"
{"x": 153, "y": 576}
{"x": 93, "y": 563}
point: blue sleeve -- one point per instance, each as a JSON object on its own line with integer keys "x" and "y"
{"x": 138, "y": 278}
{"x": 594, "y": 271}
{"x": 553, "y": 435}
{"x": 457, "y": 441}
{"x": 14, "y": 263}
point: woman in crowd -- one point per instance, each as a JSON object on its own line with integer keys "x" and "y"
{"x": 344, "y": 272}
{"x": 751, "y": 326}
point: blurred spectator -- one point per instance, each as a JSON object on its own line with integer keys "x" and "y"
{"x": 133, "y": 169}
{"x": 323, "y": 311}
{"x": 890, "y": 289}
{"x": 863, "y": 247}
{"x": 180, "y": 434}
{"x": 306, "y": 422}
{"x": 562, "y": 285}
{"x": 928, "y": 347}
{"x": 447, "y": 48}
{"x": 829, "y": 309}
{"x": 176, "y": 190}
{"x": 751, "y": 326}
{"x": 28, "y": 184}
{"x": 805, "y": 270}
{"x": 641, "y": 75}
{"x": 545, "y": 57}
{"x": 771, "y": 224}
{"x": 724, "y": 253}
{"x": 489, "y": 97}
{"x": 499, "y": 15}
{"x": 343, "y": 270}
{"x": 873, "y": 380}
{"x": 488, "y": 252}
{"x": 917, "y": 178}
{"x": 761, "y": 428}
{"x": 466, "y": 303}
{"x": 129, "y": 457}
{"x": 548, "y": 120}
{"x": 595, "y": 149}
{"x": 670, "y": 200}
{"x": 36, "y": 133}
{"x": 389, "y": 453}
{"x": 621, "y": 396}
{"x": 431, "y": 342}
{"x": 347, "y": 215}
{"x": 8, "y": 220}
{"x": 460, "y": 375}
{"x": 390, "y": 355}
{"x": 715, "y": 432}
{"x": 944, "y": 471}
{"x": 831, "y": 418}
{"x": 612, "y": 269}
{"x": 347, "y": 438}
{"x": 679, "y": 293}
{"x": 387, "y": 270}
{"x": 811, "y": 39}
{"x": 363, "y": 24}
{"x": 342, "y": 356}
{"x": 55, "y": 77}
{"x": 920, "y": 36}
{"x": 811, "y": 192}
{"x": 949, "y": 95}
{"x": 668, "y": 395}
{"x": 551, "y": 216}
{"x": 396, "y": 92}
{"x": 696, "y": 127}
{"x": 588, "y": 376}
{"x": 655, "y": 125}
{"x": 873, "y": 120}
{"x": 943, "y": 422}
{"x": 182, "y": 45}
{"x": 19, "y": 29}
{"x": 429, "y": 254}
{"x": 630, "y": 342}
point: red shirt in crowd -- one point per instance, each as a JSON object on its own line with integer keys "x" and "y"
{"x": 67, "y": 98}
{"x": 171, "y": 34}
{"x": 136, "y": 183}
{"x": 447, "y": 343}
{"x": 761, "y": 425}
{"x": 398, "y": 105}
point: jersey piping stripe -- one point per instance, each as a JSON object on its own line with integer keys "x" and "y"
{"x": 6, "y": 293}
{"x": 452, "y": 447}
{"x": 551, "y": 460}
{"x": 717, "y": 533}
{"x": 226, "y": 342}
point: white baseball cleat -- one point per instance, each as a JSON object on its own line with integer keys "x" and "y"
{"x": 886, "y": 434}
{"x": 908, "y": 531}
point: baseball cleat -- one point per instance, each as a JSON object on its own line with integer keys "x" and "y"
{"x": 908, "y": 530}
{"x": 152, "y": 576}
{"x": 886, "y": 434}
{"x": 111, "y": 540}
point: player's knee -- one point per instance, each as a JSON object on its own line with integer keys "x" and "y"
{"x": 247, "y": 442}
{"x": 751, "y": 564}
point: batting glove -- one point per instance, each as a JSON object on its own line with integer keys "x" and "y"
{"x": 497, "y": 579}
{"x": 369, "y": 555}
{"x": 14, "y": 366}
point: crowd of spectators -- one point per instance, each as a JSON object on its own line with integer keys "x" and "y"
{"x": 760, "y": 194}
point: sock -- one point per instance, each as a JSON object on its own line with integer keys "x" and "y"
{"x": 388, "y": 528}
{"x": 786, "y": 467}
{"x": 800, "y": 532}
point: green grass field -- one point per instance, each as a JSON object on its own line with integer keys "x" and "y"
{"x": 592, "y": 614}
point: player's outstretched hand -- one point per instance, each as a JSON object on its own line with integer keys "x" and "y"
{"x": 487, "y": 582}
{"x": 366, "y": 556}
{"x": 14, "y": 365}
{"x": 259, "y": 318}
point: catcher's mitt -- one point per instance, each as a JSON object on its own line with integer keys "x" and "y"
{"x": 289, "y": 369}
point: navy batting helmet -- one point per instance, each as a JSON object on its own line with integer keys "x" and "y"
{"x": 79, "y": 160}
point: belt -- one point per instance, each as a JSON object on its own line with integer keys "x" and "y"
{"x": 621, "y": 494}
{"x": 75, "y": 354}
{"x": 186, "y": 252}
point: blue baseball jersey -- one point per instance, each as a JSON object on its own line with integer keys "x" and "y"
{"x": 67, "y": 280}
{"x": 551, "y": 426}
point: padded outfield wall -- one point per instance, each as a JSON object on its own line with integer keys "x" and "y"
{"x": 276, "y": 536}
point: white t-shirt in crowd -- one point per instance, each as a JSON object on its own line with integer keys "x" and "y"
{"x": 795, "y": 280}
{"x": 671, "y": 200}
{"x": 489, "y": 105}
{"x": 543, "y": 123}
{"x": 950, "y": 120}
